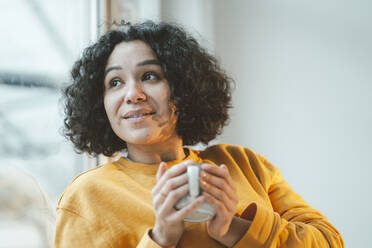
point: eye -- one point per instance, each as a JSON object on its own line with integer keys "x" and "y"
{"x": 114, "y": 82}
{"x": 150, "y": 76}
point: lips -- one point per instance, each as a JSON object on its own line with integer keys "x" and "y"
{"x": 138, "y": 113}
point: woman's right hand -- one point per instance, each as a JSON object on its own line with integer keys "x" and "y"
{"x": 171, "y": 186}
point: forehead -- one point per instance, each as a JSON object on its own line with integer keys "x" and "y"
{"x": 130, "y": 52}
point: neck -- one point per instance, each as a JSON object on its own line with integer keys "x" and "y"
{"x": 156, "y": 153}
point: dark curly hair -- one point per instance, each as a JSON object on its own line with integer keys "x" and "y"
{"x": 200, "y": 89}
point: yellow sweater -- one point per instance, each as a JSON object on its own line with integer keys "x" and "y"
{"x": 111, "y": 206}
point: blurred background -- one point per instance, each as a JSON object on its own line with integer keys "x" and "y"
{"x": 303, "y": 98}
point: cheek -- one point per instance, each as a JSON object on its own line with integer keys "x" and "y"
{"x": 168, "y": 116}
{"x": 109, "y": 104}
{"x": 164, "y": 107}
{"x": 163, "y": 99}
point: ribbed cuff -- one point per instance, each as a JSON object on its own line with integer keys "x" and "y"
{"x": 260, "y": 229}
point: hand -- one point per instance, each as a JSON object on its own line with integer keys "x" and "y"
{"x": 171, "y": 186}
{"x": 221, "y": 193}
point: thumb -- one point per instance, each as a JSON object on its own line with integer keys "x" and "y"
{"x": 161, "y": 170}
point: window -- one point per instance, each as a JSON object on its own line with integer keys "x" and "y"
{"x": 40, "y": 40}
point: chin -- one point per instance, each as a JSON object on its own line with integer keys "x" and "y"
{"x": 146, "y": 135}
{"x": 139, "y": 138}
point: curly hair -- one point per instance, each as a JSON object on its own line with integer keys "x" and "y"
{"x": 200, "y": 89}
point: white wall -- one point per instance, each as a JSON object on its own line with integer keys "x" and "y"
{"x": 303, "y": 95}
{"x": 194, "y": 15}
{"x": 303, "y": 98}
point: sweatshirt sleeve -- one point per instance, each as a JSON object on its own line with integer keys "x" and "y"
{"x": 147, "y": 242}
{"x": 291, "y": 223}
{"x": 74, "y": 230}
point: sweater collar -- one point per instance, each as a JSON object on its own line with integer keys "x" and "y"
{"x": 152, "y": 168}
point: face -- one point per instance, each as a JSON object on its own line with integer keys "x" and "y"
{"x": 137, "y": 96}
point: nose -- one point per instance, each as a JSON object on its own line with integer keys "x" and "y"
{"x": 134, "y": 94}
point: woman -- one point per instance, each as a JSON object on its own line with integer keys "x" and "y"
{"x": 150, "y": 90}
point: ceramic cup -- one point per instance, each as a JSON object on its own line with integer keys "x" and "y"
{"x": 205, "y": 211}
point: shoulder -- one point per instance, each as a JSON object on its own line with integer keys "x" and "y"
{"x": 231, "y": 151}
{"x": 245, "y": 158}
{"x": 85, "y": 187}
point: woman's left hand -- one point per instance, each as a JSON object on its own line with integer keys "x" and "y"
{"x": 221, "y": 193}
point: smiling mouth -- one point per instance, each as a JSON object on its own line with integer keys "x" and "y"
{"x": 138, "y": 115}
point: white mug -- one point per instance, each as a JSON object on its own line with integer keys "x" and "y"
{"x": 205, "y": 211}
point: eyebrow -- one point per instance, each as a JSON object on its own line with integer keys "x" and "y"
{"x": 149, "y": 62}
{"x": 145, "y": 62}
{"x": 112, "y": 68}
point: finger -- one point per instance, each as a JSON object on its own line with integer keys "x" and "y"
{"x": 174, "y": 171}
{"x": 216, "y": 204}
{"x": 220, "y": 195}
{"x": 229, "y": 179}
{"x": 218, "y": 182}
{"x": 161, "y": 170}
{"x": 214, "y": 169}
{"x": 174, "y": 183}
{"x": 188, "y": 209}
{"x": 170, "y": 185}
{"x": 222, "y": 184}
{"x": 173, "y": 197}
{"x": 179, "y": 168}
{"x": 157, "y": 200}
{"x": 220, "y": 171}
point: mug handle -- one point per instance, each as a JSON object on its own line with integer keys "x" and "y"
{"x": 193, "y": 175}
